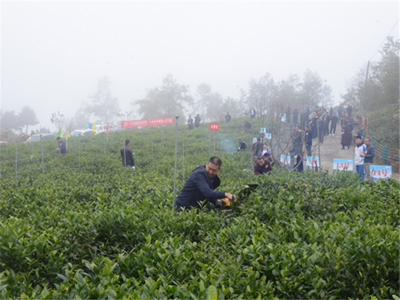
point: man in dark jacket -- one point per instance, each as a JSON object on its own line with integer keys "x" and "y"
{"x": 127, "y": 155}
{"x": 262, "y": 166}
{"x": 334, "y": 122}
{"x": 228, "y": 117}
{"x": 197, "y": 120}
{"x": 61, "y": 147}
{"x": 242, "y": 145}
{"x": 368, "y": 157}
{"x": 201, "y": 185}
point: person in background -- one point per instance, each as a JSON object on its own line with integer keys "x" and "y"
{"x": 303, "y": 120}
{"x": 346, "y": 137}
{"x": 265, "y": 149}
{"x": 61, "y": 146}
{"x": 252, "y": 112}
{"x": 127, "y": 155}
{"x": 321, "y": 129}
{"x": 242, "y": 145}
{"x": 359, "y": 157}
{"x": 295, "y": 115}
{"x": 334, "y": 122}
{"x": 368, "y": 157}
{"x": 201, "y": 186}
{"x": 313, "y": 125}
{"x": 262, "y": 165}
{"x": 308, "y": 111}
{"x": 190, "y": 122}
{"x": 349, "y": 110}
{"x": 288, "y": 111}
{"x": 246, "y": 126}
{"x": 268, "y": 157}
{"x": 257, "y": 147}
{"x": 298, "y": 148}
{"x": 228, "y": 117}
{"x": 308, "y": 140}
{"x": 197, "y": 120}
{"x": 340, "y": 112}
{"x": 326, "y": 123}
{"x": 331, "y": 112}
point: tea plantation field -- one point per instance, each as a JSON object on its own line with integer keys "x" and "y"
{"x": 95, "y": 230}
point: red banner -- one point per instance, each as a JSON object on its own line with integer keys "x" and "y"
{"x": 214, "y": 126}
{"x": 149, "y": 122}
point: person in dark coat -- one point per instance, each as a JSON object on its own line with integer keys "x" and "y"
{"x": 201, "y": 186}
{"x": 308, "y": 140}
{"x": 242, "y": 145}
{"x": 349, "y": 110}
{"x": 326, "y": 123}
{"x": 295, "y": 115}
{"x": 257, "y": 147}
{"x": 346, "y": 137}
{"x": 61, "y": 146}
{"x": 253, "y": 112}
{"x": 127, "y": 155}
{"x": 246, "y": 126}
{"x": 303, "y": 120}
{"x": 334, "y": 122}
{"x": 308, "y": 110}
{"x": 368, "y": 157}
{"x": 197, "y": 120}
{"x": 288, "y": 113}
{"x": 190, "y": 122}
{"x": 262, "y": 166}
{"x": 331, "y": 112}
{"x": 228, "y": 117}
{"x": 313, "y": 125}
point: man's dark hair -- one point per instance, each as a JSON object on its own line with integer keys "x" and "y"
{"x": 266, "y": 154}
{"x": 127, "y": 141}
{"x": 367, "y": 138}
{"x": 215, "y": 161}
{"x": 58, "y": 138}
{"x": 358, "y": 137}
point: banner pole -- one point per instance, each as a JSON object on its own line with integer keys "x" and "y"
{"x": 152, "y": 153}
{"x": 41, "y": 144}
{"x": 183, "y": 156}
{"x": 16, "y": 162}
{"x": 319, "y": 155}
{"x": 79, "y": 153}
{"x": 176, "y": 149}
{"x": 214, "y": 143}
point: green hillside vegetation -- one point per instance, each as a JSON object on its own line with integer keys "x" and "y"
{"x": 96, "y": 230}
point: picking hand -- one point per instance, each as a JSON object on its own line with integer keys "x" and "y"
{"x": 231, "y": 197}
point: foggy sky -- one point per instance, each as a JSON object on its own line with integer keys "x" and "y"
{"x": 53, "y": 52}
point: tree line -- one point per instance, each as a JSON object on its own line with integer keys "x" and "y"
{"x": 170, "y": 98}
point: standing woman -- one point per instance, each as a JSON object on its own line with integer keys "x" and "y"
{"x": 265, "y": 149}
{"x": 346, "y": 136}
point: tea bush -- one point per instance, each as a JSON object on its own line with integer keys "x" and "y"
{"x": 96, "y": 230}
